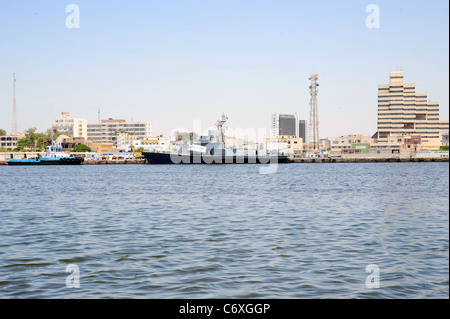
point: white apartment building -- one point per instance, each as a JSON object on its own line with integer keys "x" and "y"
{"x": 107, "y": 130}
{"x": 74, "y": 127}
{"x": 8, "y": 143}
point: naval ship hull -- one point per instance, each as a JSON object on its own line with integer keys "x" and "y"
{"x": 170, "y": 158}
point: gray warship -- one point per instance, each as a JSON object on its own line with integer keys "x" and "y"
{"x": 211, "y": 150}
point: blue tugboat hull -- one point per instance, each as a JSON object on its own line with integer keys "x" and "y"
{"x": 47, "y": 161}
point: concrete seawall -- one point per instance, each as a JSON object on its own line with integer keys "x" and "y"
{"x": 370, "y": 160}
{"x": 295, "y": 160}
{"x": 104, "y": 162}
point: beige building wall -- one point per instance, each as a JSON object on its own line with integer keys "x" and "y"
{"x": 105, "y": 148}
{"x": 432, "y": 144}
{"x": 290, "y": 142}
{"x": 8, "y": 143}
{"x": 345, "y": 142}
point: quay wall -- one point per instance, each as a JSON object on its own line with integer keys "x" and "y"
{"x": 370, "y": 160}
{"x": 295, "y": 160}
{"x": 104, "y": 162}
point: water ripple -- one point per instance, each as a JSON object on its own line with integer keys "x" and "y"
{"x": 142, "y": 231}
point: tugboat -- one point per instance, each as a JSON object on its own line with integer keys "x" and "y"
{"x": 211, "y": 150}
{"x": 54, "y": 156}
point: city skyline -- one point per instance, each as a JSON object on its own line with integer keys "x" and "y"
{"x": 172, "y": 64}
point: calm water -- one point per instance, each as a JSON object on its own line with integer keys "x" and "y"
{"x": 308, "y": 231}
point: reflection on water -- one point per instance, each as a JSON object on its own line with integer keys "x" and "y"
{"x": 144, "y": 231}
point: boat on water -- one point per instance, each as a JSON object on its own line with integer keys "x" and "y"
{"x": 173, "y": 158}
{"x": 211, "y": 150}
{"x": 53, "y": 156}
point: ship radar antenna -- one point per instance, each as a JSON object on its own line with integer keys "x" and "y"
{"x": 219, "y": 125}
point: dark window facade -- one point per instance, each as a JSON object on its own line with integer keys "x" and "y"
{"x": 287, "y": 125}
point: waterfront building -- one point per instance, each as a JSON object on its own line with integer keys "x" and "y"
{"x": 444, "y": 139}
{"x": 8, "y": 143}
{"x": 105, "y": 147}
{"x": 107, "y": 130}
{"x": 289, "y": 125}
{"x": 402, "y": 111}
{"x": 350, "y": 141}
{"x": 394, "y": 144}
{"x": 286, "y": 144}
{"x": 68, "y": 143}
{"x": 75, "y": 127}
{"x": 124, "y": 142}
{"x": 156, "y": 144}
{"x": 325, "y": 143}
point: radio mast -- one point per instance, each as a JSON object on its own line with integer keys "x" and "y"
{"x": 15, "y": 130}
{"x": 313, "y": 129}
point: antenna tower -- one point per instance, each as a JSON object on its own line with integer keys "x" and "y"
{"x": 313, "y": 128}
{"x": 15, "y": 129}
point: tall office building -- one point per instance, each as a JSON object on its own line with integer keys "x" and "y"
{"x": 402, "y": 111}
{"x": 303, "y": 130}
{"x": 289, "y": 125}
{"x": 107, "y": 130}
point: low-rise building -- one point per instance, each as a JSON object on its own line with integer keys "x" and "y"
{"x": 444, "y": 139}
{"x": 325, "y": 143}
{"x": 105, "y": 148}
{"x": 68, "y": 143}
{"x": 8, "y": 143}
{"x": 286, "y": 144}
{"x": 350, "y": 142}
{"x": 156, "y": 143}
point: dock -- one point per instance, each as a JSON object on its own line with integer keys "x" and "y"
{"x": 105, "y": 162}
{"x": 403, "y": 159}
{"x": 115, "y": 161}
{"x": 294, "y": 160}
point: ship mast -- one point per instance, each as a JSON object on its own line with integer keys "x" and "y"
{"x": 219, "y": 125}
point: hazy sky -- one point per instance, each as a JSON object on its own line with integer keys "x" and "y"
{"x": 172, "y": 62}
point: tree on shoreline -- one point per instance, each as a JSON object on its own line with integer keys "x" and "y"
{"x": 81, "y": 148}
{"x": 34, "y": 141}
